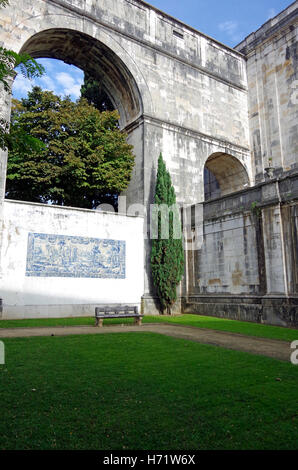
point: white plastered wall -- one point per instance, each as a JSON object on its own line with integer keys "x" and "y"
{"x": 28, "y": 296}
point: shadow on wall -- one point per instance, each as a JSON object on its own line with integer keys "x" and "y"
{"x": 34, "y": 304}
{"x": 223, "y": 174}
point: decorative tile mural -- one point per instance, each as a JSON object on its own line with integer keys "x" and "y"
{"x": 69, "y": 256}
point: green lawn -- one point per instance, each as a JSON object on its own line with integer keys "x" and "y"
{"x": 143, "y": 391}
{"x": 245, "y": 328}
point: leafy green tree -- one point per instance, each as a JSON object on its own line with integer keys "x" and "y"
{"x": 167, "y": 254}
{"x": 85, "y": 161}
{"x": 93, "y": 91}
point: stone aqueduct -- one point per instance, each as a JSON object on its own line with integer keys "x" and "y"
{"x": 205, "y": 106}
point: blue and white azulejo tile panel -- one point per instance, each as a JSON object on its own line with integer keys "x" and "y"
{"x": 69, "y": 256}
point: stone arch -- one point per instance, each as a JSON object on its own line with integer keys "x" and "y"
{"x": 223, "y": 174}
{"x": 124, "y": 81}
{"x": 95, "y": 57}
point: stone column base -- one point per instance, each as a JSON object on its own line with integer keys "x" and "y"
{"x": 150, "y": 305}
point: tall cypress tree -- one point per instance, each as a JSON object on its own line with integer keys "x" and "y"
{"x": 167, "y": 254}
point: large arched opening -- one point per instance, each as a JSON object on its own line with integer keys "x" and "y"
{"x": 95, "y": 58}
{"x": 116, "y": 81}
{"x": 223, "y": 174}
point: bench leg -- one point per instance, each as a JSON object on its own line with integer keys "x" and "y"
{"x": 98, "y": 322}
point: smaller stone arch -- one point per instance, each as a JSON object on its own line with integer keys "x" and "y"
{"x": 223, "y": 174}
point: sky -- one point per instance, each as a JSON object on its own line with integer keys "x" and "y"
{"x": 61, "y": 78}
{"x": 228, "y": 21}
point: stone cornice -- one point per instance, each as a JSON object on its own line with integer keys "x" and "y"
{"x": 174, "y": 127}
{"x": 196, "y": 134}
{"x": 155, "y": 47}
{"x": 267, "y": 33}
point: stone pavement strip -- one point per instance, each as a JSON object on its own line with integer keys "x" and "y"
{"x": 276, "y": 349}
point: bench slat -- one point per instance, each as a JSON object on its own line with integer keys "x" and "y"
{"x": 116, "y": 310}
{"x": 130, "y": 315}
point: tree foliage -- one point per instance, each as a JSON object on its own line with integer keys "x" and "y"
{"x": 85, "y": 160}
{"x": 167, "y": 254}
{"x": 94, "y": 93}
{"x": 10, "y": 59}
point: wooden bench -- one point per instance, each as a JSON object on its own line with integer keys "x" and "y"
{"x": 117, "y": 311}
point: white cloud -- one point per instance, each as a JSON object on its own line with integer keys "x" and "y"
{"x": 22, "y": 85}
{"x": 59, "y": 78}
{"x": 65, "y": 79}
{"x": 231, "y": 29}
{"x": 47, "y": 83}
{"x": 76, "y": 91}
{"x": 271, "y": 14}
{"x": 70, "y": 85}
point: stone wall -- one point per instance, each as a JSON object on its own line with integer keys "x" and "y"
{"x": 60, "y": 261}
{"x": 176, "y": 88}
{"x": 247, "y": 265}
{"x": 182, "y": 93}
{"x": 273, "y": 93}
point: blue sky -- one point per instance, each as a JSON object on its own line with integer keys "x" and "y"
{"x": 61, "y": 78}
{"x": 228, "y": 21}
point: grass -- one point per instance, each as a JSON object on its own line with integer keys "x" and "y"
{"x": 221, "y": 324}
{"x": 143, "y": 391}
